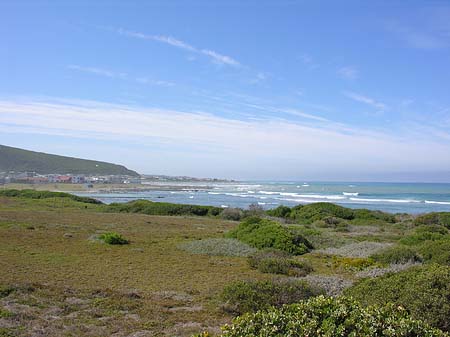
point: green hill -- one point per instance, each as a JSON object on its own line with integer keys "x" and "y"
{"x": 19, "y": 160}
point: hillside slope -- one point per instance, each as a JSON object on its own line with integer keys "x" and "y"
{"x": 19, "y": 160}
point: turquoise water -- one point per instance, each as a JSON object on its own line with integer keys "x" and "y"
{"x": 390, "y": 197}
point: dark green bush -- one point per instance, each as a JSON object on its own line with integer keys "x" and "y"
{"x": 425, "y": 233}
{"x": 319, "y": 211}
{"x": 436, "y": 251}
{"x": 112, "y": 238}
{"x": 264, "y": 233}
{"x": 163, "y": 208}
{"x": 277, "y": 262}
{"x": 249, "y": 296}
{"x": 329, "y": 317}
{"x": 279, "y": 212}
{"x": 33, "y": 194}
{"x": 367, "y": 214}
{"x": 397, "y": 254}
{"x": 434, "y": 218}
{"x": 424, "y": 291}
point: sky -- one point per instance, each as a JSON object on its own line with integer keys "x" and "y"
{"x": 273, "y": 90}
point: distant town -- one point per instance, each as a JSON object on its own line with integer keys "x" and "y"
{"x": 35, "y": 178}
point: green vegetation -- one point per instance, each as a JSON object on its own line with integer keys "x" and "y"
{"x": 51, "y": 268}
{"x": 162, "y": 208}
{"x": 325, "y": 317}
{"x": 331, "y": 214}
{"x": 396, "y": 255}
{"x": 278, "y": 262}
{"x": 279, "y": 212}
{"x": 19, "y": 160}
{"x": 423, "y": 291}
{"x": 112, "y": 238}
{"x": 33, "y": 194}
{"x": 217, "y": 247}
{"x": 263, "y": 233}
{"x": 434, "y": 218}
{"x": 249, "y": 296}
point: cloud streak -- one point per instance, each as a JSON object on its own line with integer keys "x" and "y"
{"x": 97, "y": 71}
{"x": 211, "y": 54}
{"x": 348, "y": 72}
{"x": 119, "y": 75}
{"x": 366, "y": 100}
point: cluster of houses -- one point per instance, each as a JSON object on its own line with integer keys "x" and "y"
{"x": 34, "y": 178}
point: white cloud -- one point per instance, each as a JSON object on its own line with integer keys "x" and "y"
{"x": 348, "y": 72}
{"x": 366, "y": 100}
{"x": 426, "y": 39}
{"x": 123, "y": 76}
{"x": 221, "y": 59}
{"x": 213, "y": 55}
{"x": 97, "y": 71}
{"x": 145, "y": 80}
{"x": 223, "y": 143}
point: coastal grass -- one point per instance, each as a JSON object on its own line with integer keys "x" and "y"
{"x": 177, "y": 290}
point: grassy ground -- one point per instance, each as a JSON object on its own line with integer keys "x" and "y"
{"x": 82, "y": 287}
{"x": 57, "y": 280}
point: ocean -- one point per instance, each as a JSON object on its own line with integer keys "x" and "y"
{"x": 390, "y": 197}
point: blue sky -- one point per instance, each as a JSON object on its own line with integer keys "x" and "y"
{"x": 317, "y": 90}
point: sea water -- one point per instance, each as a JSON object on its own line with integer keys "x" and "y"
{"x": 391, "y": 197}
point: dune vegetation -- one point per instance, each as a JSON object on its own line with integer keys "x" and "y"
{"x": 73, "y": 266}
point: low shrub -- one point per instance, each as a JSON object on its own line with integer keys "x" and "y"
{"x": 436, "y": 251}
{"x": 424, "y": 291}
{"x": 362, "y": 249}
{"x": 425, "y": 233}
{"x": 332, "y": 285}
{"x": 325, "y": 317}
{"x": 279, "y": 212}
{"x": 219, "y": 247}
{"x": 234, "y": 214}
{"x": 163, "y": 208}
{"x": 392, "y": 268}
{"x": 112, "y": 238}
{"x": 319, "y": 211}
{"x": 264, "y": 233}
{"x": 248, "y": 296}
{"x": 278, "y": 262}
{"x": 33, "y": 194}
{"x": 367, "y": 214}
{"x": 434, "y": 218}
{"x": 397, "y": 254}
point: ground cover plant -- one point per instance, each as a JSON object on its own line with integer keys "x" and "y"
{"x": 112, "y": 238}
{"x": 218, "y": 246}
{"x": 324, "y": 317}
{"x": 248, "y": 296}
{"x": 424, "y": 291}
{"x": 274, "y": 261}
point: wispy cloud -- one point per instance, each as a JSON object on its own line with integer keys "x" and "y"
{"x": 119, "y": 75}
{"x": 213, "y": 55}
{"x": 98, "y": 71}
{"x": 308, "y": 61}
{"x": 426, "y": 39}
{"x": 231, "y": 143}
{"x": 348, "y": 72}
{"x": 145, "y": 80}
{"x": 366, "y": 100}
